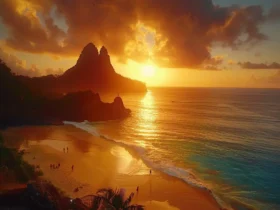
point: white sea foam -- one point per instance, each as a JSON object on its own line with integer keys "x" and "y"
{"x": 83, "y": 126}
{"x": 184, "y": 174}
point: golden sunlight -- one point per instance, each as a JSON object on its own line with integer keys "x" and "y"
{"x": 148, "y": 71}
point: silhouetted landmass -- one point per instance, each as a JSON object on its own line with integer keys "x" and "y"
{"x": 93, "y": 71}
{"x": 43, "y": 195}
{"x": 84, "y": 105}
{"x": 21, "y": 105}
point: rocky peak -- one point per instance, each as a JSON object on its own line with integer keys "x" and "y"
{"x": 89, "y": 54}
{"x": 103, "y": 55}
{"x": 90, "y": 48}
{"x": 118, "y": 102}
{"x": 103, "y": 51}
{"x": 104, "y": 59}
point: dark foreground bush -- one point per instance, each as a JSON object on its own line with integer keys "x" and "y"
{"x": 11, "y": 162}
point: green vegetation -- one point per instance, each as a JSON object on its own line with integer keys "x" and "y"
{"x": 13, "y": 167}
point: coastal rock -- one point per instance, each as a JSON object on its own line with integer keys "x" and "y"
{"x": 84, "y": 105}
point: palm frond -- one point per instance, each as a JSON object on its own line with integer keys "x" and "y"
{"x": 115, "y": 199}
{"x": 128, "y": 200}
{"x": 108, "y": 193}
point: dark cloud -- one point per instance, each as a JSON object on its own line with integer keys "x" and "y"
{"x": 249, "y": 65}
{"x": 213, "y": 64}
{"x": 27, "y": 33}
{"x": 241, "y": 27}
{"x": 184, "y": 29}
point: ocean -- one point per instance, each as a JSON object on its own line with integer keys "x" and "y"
{"x": 219, "y": 139}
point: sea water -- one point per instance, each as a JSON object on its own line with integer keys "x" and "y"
{"x": 226, "y": 141}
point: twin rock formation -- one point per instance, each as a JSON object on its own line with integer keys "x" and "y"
{"x": 93, "y": 71}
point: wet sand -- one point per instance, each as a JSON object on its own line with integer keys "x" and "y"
{"x": 100, "y": 164}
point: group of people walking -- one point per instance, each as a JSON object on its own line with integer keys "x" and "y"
{"x": 54, "y": 166}
{"x": 57, "y": 166}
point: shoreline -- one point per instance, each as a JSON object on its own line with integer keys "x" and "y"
{"x": 221, "y": 204}
{"x": 100, "y": 163}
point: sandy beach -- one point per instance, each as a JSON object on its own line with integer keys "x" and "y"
{"x": 100, "y": 164}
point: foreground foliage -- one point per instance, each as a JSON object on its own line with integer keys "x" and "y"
{"x": 13, "y": 167}
{"x": 116, "y": 200}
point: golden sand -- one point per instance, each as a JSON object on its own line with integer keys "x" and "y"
{"x": 100, "y": 164}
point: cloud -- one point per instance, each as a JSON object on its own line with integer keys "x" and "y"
{"x": 213, "y": 64}
{"x": 19, "y": 67}
{"x": 26, "y": 31}
{"x": 249, "y": 65}
{"x": 211, "y": 68}
{"x": 241, "y": 27}
{"x": 183, "y": 30}
{"x": 216, "y": 60}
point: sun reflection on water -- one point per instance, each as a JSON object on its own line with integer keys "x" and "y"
{"x": 147, "y": 106}
{"x": 141, "y": 143}
{"x": 147, "y": 117}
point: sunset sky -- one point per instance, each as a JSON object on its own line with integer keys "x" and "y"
{"x": 197, "y": 43}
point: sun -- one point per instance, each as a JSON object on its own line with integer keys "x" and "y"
{"x": 148, "y": 71}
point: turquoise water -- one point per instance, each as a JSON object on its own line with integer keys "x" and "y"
{"x": 226, "y": 140}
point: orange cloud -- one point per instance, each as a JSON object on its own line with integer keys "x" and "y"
{"x": 19, "y": 67}
{"x": 183, "y": 30}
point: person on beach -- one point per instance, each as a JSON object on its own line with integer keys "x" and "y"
{"x": 72, "y": 167}
{"x": 150, "y": 171}
{"x": 137, "y": 189}
{"x": 63, "y": 149}
{"x": 58, "y": 165}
